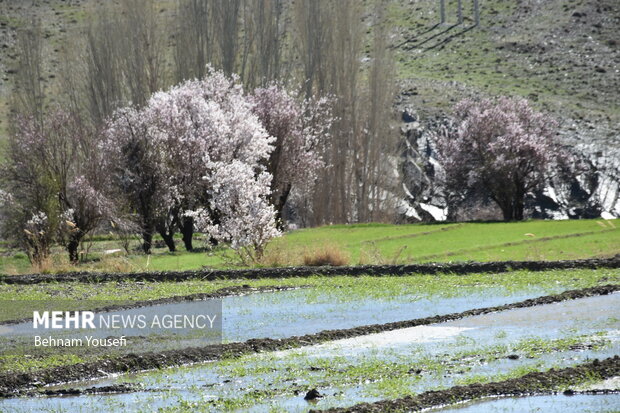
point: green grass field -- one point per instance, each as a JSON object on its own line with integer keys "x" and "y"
{"x": 373, "y": 244}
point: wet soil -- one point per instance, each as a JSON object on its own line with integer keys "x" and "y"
{"x": 112, "y": 389}
{"x": 289, "y": 272}
{"x": 14, "y": 384}
{"x": 529, "y": 384}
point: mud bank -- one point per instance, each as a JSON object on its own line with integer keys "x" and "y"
{"x": 12, "y": 384}
{"x": 113, "y": 389}
{"x": 289, "y": 272}
{"x": 529, "y": 384}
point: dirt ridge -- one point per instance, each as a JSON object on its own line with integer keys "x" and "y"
{"x": 460, "y": 268}
{"x": 11, "y": 384}
{"x": 529, "y": 384}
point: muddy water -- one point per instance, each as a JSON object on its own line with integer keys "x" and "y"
{"x": 297, "y": 369}
{"x": 548, "y": 404}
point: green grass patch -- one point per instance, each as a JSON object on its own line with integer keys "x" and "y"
{"x": 366, "y": 244}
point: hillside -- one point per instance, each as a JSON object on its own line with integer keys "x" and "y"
{"x": 563, "y": 56}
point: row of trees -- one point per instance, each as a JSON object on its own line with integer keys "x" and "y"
{"x": 201, "y": 155}
{"x": 128, "y": 50}
{"x": 205, "y": 155}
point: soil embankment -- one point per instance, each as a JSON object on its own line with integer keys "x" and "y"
{"x": 289, "y": 272}
{"x": 529, "y": 384}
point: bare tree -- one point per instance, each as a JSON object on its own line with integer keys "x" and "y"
{"x": 193, "y": 45}
{"x": 102, "y": 75}
{"x": 141, "y": 49}
{"x": 124, "y": 59}
{"x": 226, "y": 15}
{"x": 375, "y": 154}
{"x": 313, "y": 20}
{"x": 28, "y": 95}
{"x": 264, "y": 32}
{"x": 360, "y": 152}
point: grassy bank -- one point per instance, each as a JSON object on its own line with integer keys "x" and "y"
{"x": 363, "y": 244}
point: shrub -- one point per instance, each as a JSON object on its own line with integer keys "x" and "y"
{"x": 326, "y": 255}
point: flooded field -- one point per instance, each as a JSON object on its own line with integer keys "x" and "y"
{"x": 286, "y": 313}
{"x": 600, "y": 403}
{"x": 371, "y": 367}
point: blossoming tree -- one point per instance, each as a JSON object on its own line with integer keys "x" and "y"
{"x": 134, "y": 160}
{"x": 193, "y": 138}
{"x": 55, "y": 185}
{"x": 503, "y": 147}
{"x": 300, "y": 129}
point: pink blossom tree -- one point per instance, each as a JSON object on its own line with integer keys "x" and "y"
{"x": 503, "y": 147}
{"x": 187, "y": 136}
{"x": 300, "y": 129}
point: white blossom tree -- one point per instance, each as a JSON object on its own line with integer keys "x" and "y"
{"x": 239, "y": 196}
{"x": 187, "y": 137}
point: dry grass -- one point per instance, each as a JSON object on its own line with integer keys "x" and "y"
{"x": 60, "y": 263}
{"x": 51, "y": 264}
{"x": 279, "y": 256}
{"x": 285, "y": 255}
{"x": 326, "y": 255}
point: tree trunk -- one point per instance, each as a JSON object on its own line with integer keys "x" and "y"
{"x": 513, "y": 210}
{"x": 519, "y": 207}
{"x": 72, "y": 248}
{"x": 169, "y": 240}
{"x": 279, "y": 203}
{"x": 187, "y": 229}
{"x": 147, "y": 240}
{"x": 442, "y": 11}
{"x": 476, "y": 13}
{"x": 508, "y": 212}
{"x": 167, "y": 233}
